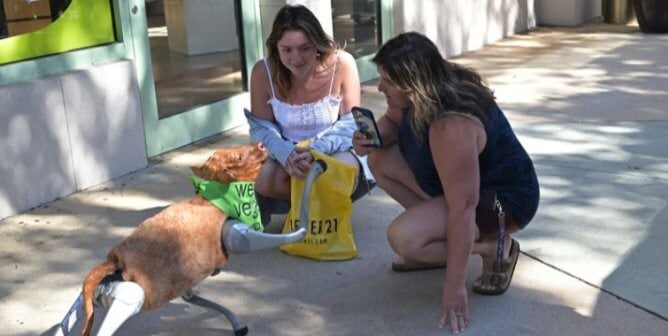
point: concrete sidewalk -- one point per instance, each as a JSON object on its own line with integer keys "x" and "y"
{"x": 589, "y": 104}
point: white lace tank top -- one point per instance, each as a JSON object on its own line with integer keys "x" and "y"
{"x": 304, "y": 121}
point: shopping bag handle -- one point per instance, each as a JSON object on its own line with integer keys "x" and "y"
{"x": 237, "y": 237}
{"x": 318, "y": 167}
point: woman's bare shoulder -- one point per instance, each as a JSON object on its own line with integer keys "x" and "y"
{"x": 260, "y": 90}
{"x": 259, "y": 68}
{"x": 457, "y": 119}
{"x": 345, "y": 59}
{"x": 346, "y": 69}
{"x": 457, "y": 126}
{"x": 259, "y": 79}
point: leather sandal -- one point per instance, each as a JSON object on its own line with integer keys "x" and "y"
{"x": 412, "y": 265}
{"x": 498, "y": 274}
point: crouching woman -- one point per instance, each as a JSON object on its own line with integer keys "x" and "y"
{"x": 452, "y": 160}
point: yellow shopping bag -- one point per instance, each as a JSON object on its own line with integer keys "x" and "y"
{"x": 329, "y": 233}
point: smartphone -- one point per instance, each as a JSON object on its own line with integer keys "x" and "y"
{"x": 366, "y": 124}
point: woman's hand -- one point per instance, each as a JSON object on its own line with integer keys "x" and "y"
{"x": 455, "y": 308}
{"x": 298, "y": 162}
{"x": 361, "y": 144}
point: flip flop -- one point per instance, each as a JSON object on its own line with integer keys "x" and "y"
{"x": 500, "y": 281}
{"x": 412, "y": 265}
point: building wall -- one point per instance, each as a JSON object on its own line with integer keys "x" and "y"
{"x": 458, "y": 26}
{"x": 567, "y": 12}
{"x": 66, "y": 133}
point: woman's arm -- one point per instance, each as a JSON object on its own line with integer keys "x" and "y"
{"x": 261, "y": 120}
{"x": 388, "y": 125}
{"x": 260, "y": 92}
{"x": 269, "y": 135}
{"x": 455, "y": 143}
{"x": 350, "y": 82}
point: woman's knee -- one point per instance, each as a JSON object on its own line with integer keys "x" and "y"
{"x": 378, "y": 160}
{"x": 261, "y": 185}
{"x": 394, "y": 238}
{"x": 272, "y": 179}
{"x": 417, "y": 227}
{"x": 400, "y": 239}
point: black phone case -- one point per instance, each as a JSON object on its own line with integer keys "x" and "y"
{"x": 366, "y": 124}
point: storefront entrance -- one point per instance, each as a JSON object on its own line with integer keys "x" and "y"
{"x": 193, "y": 58}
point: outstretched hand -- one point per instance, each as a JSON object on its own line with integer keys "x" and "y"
{"x": 455, "y": 309}
{"x": 298, "y": 162}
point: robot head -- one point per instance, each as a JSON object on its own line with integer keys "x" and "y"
{"x": 240, "y": 163}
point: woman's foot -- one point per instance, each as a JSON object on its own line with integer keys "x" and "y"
{"x": 401, "y": 264}
{"x": 496, "y": 276}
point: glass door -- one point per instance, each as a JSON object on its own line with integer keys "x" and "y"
{"x": 362, "y": 26}
{"x": 195, "y": 53}
{"x": 192, "y": 59}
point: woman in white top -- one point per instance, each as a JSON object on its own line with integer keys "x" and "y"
{"x": 303, "y": 90}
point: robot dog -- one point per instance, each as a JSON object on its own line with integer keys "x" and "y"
{"x": 171, "y": 252}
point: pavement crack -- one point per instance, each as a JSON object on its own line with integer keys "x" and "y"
{"x": 596, "y": 286}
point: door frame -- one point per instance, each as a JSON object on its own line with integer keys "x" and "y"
{"x": 192, "y": 125}
{"x": 385, "y": 25}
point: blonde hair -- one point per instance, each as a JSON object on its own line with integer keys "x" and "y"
{"x": 434, "y": 86}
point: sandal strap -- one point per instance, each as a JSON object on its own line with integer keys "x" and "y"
{"x": 502, "y": 231}
{"x": 497, "y": 280}
{"x": 498, "y": 267}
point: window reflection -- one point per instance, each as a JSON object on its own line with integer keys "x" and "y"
{"x": 355, "y": 25}
{"x": 195, "y": 52}
{"x": 25, "y": 16}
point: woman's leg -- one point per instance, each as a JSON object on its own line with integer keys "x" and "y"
{"x": 395, "y": 177}
{"x": 273, "y": 181}
{"x": 406, "y": 237}
{"x": 487, "y": 241}
{"x": 419, "y": 233}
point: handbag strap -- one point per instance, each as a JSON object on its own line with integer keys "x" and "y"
{"x": 502, "y": 231}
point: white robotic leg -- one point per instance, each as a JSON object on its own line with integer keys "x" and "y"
{"x": 124, "y": 299}
{"x": 73, "y": 315}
